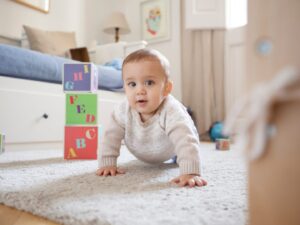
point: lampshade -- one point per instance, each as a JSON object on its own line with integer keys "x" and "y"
{"x": 116, "y": 24}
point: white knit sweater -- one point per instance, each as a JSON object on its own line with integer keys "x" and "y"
{"x": 169, "y": 132}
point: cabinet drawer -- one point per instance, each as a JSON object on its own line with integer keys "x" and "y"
{"x": 31, "y": 117}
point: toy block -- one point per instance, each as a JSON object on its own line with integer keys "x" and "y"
{"x": 81, "y": 142}
{"x": 222, "y": 144}
{"x": 2, "y": 142}
{"x": 80, "y": 77}
{"x": 81, "y": 109}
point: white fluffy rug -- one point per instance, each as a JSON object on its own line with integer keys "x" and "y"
{"x": 69, "y": 192}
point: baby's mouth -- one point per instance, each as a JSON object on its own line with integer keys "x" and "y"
{"x": 141, "y": 102}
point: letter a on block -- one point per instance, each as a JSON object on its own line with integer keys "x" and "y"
{"x": 72, "y": 154}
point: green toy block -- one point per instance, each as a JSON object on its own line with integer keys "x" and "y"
{"x": 81, "y": 109}
{"x": 2, "y": 141}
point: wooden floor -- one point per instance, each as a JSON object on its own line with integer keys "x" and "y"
{"x": 11, "y": 216}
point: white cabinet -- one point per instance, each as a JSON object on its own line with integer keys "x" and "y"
{"x": 31, "y": 111}
{"x": 102, "y": 54}
{"x": 215, "y": 14}
{"x": 32, "y": 117}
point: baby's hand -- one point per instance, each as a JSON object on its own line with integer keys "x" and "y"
{"x": 191, "y": 180}
{"x": 109, "y": 170}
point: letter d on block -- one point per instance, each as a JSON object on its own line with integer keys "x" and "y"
{"x": 90, "y": 118}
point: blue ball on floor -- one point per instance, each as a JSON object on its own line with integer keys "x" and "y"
{"x": 215, "y": 131}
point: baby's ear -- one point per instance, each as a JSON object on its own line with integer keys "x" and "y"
{"x": 168, "y": 87}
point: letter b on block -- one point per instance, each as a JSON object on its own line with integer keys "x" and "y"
{"x": 80, "y": 143}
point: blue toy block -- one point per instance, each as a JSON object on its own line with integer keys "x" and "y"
{"x": 80, "y": 77}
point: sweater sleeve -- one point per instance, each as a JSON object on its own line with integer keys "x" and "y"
{"x": 111, "y": 140}
{"x": 183, "y": 134}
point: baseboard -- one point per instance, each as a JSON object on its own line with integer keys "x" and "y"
{"x": 34, "y": 146}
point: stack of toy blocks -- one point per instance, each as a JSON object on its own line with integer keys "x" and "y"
{"x": 81, "y": 130}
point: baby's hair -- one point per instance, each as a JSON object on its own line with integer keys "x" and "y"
{"x": 149, "y": 54}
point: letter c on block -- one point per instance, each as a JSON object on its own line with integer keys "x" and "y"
{"x": 90, "y": 134}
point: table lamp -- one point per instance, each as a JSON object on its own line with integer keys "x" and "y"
{"x": 116, "y": 24}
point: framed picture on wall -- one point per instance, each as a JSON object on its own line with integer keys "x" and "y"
{"x": 155, "y": 20}
{"x": 40, "y": 5}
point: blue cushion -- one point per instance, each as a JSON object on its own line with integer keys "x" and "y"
{"x": 115, "y": 63}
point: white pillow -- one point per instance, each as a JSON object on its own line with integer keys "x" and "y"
{"x": 50, "y": 42}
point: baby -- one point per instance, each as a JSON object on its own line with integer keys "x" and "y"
{"x": 154, "y": 125}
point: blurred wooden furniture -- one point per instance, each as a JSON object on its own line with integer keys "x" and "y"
{"x": 274, "y": 180}
{"x": 80, "y": 54}
{"x": 273, "y": 36}
{"x": 11, "y": 216}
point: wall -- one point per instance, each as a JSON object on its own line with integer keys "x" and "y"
{"x": 86, "y": 18}
{"x": 66, "y": 15}
{"x": 100, "y": 9}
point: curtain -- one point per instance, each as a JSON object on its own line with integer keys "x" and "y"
{"x": 203, "y": 76}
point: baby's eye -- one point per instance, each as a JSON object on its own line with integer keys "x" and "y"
{"x": 131, "y": 84}
{"x": 149, "y": 82}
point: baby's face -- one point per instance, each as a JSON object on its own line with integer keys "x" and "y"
{"x": 145, "y": 86}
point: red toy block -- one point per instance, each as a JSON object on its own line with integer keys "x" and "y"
{"x": 81, "y": 142}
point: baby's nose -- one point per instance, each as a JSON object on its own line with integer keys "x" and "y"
{"x": 141, "y": 90}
